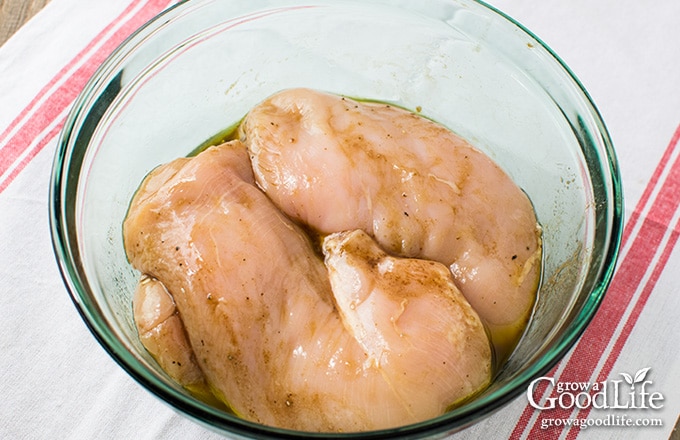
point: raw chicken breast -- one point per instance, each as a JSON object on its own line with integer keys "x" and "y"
{"x": 410, "y": 319}
{"x": 261, "y": 319}
{"x": 335, "y": 164}
{"x": 162, "y": 333}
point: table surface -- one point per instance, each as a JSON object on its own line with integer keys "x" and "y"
{"x": 15, "y": 13}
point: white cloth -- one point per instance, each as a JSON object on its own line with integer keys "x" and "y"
{"x": 57, "y": 382}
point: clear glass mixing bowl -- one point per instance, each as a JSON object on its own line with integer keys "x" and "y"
{"x": 200, "y": 66}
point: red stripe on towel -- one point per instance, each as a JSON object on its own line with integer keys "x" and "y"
{"x": 30, "y": 129}
{"x": 585, "y": 357}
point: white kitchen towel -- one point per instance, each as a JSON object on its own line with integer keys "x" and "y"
{"x": 57, "y": 382}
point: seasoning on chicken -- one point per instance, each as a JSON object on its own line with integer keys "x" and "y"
{"x": 335, "y": 164}
{"x": 272, "y": 335}
{"x": 162, "y": 333}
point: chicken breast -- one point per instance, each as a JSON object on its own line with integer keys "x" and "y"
{"x": 335, "y": 164}
{"x": 162, "y": 333}
{"x": 263, "y": 323}
{"x": 412, "y": 322}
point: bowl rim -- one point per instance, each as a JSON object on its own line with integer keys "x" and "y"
{"x": 67, "y": 258}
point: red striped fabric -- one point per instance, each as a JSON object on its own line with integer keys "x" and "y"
{"x": 640, "y": 266}
{"x": 643, "y": 204}
{"x": 650, "y": 235}
{"x": 42, "y": 119}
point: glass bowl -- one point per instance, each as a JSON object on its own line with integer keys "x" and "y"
{"x": 196, "y": 70}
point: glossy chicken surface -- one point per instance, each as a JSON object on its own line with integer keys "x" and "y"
{"x": 410, "y": 319}
{"x": 421, "y": 191}
{"x": 363, "y": 341}
{"x": 161, "y": 331}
